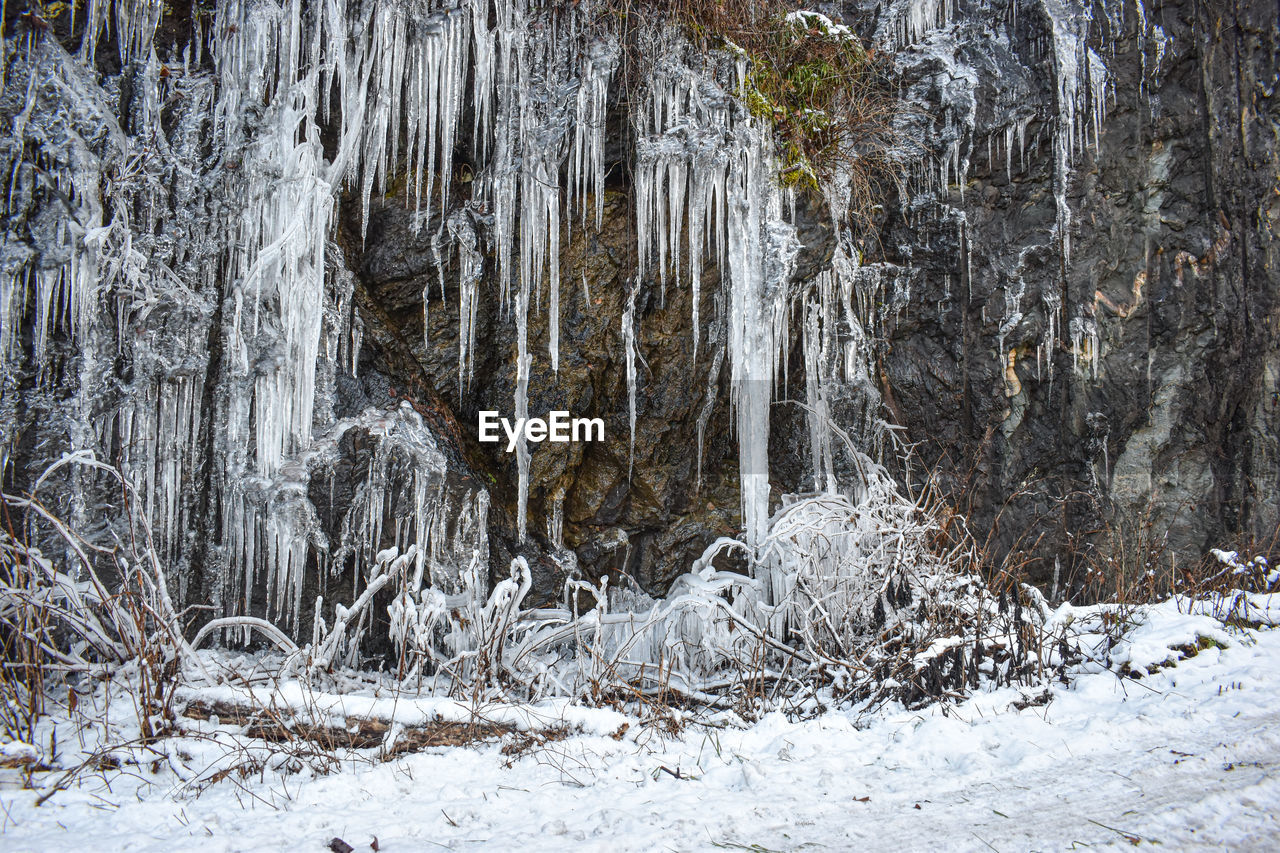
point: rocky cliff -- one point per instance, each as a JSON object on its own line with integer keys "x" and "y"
{"x": 1076, "y": 300}
{"x": 1090, "y": 336}
{"x": 272, "y": 260}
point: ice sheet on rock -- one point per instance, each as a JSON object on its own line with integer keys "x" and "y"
{"x": 935, "y": 45}
{"x": 242, "y": 140}
{"x": 841, "y": 399}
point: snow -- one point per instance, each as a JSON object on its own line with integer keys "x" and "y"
{"x": 1187, "y": 757}
{"x": 1164, "y": 627}
{"x": 808, "y": 18}
{"x": 18, "y": 752}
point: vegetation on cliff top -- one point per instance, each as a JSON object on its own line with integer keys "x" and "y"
{"x": 827, "y": 96}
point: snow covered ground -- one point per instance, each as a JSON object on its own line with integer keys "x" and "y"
{"x": 1186, "y": 757}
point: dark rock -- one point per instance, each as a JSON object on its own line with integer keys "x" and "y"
{"x": 1171, "y": 442}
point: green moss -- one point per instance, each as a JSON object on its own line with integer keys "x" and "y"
{"x": 806, "y": 81}
{"x": 1203, "y": 643}
{"x": 797, "y": 172}
{"x": 757, "y": 104}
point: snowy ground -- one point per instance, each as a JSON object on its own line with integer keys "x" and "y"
{"x": 1187, "y": 758}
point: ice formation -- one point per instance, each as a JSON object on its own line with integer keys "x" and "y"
{"x": 184, "y": 252}
{"x": 932, "y": 35}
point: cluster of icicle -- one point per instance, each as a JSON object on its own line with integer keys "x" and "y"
{"x": 393, "y": 75}
{"x": 705, "y": 188}
{"x": 238, "y": 199}
{"x": 246, "y": 249}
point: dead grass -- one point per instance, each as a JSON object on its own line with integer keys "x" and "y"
{"x": 358, "y": 732}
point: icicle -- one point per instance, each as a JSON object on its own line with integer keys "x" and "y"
{"x": 629, "y": 347}
{"x": 1085, "y": 346}
{"x": 909, "y": 22}
{"x": 816, "y": 409}
{"x": 555, "y": 523}
{"x": 587, "y": 160}
{"x": 1049, "y": 345}
{"x": 523, "y": 365}
{"x": 709, "y": 396}
{"x": 761, "y": 251}
{"x": 470, "y": 267}
{"x": 1082, "y": 81}
{"x": 1012, "y": 312}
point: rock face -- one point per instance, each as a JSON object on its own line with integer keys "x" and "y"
{"x": 1078, "y": 328}
{"x": 642, "y": 512}
{"x": 646, "y": 509}
{"x": 229, "y": 287}
{"x": 1090, "y": 337}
